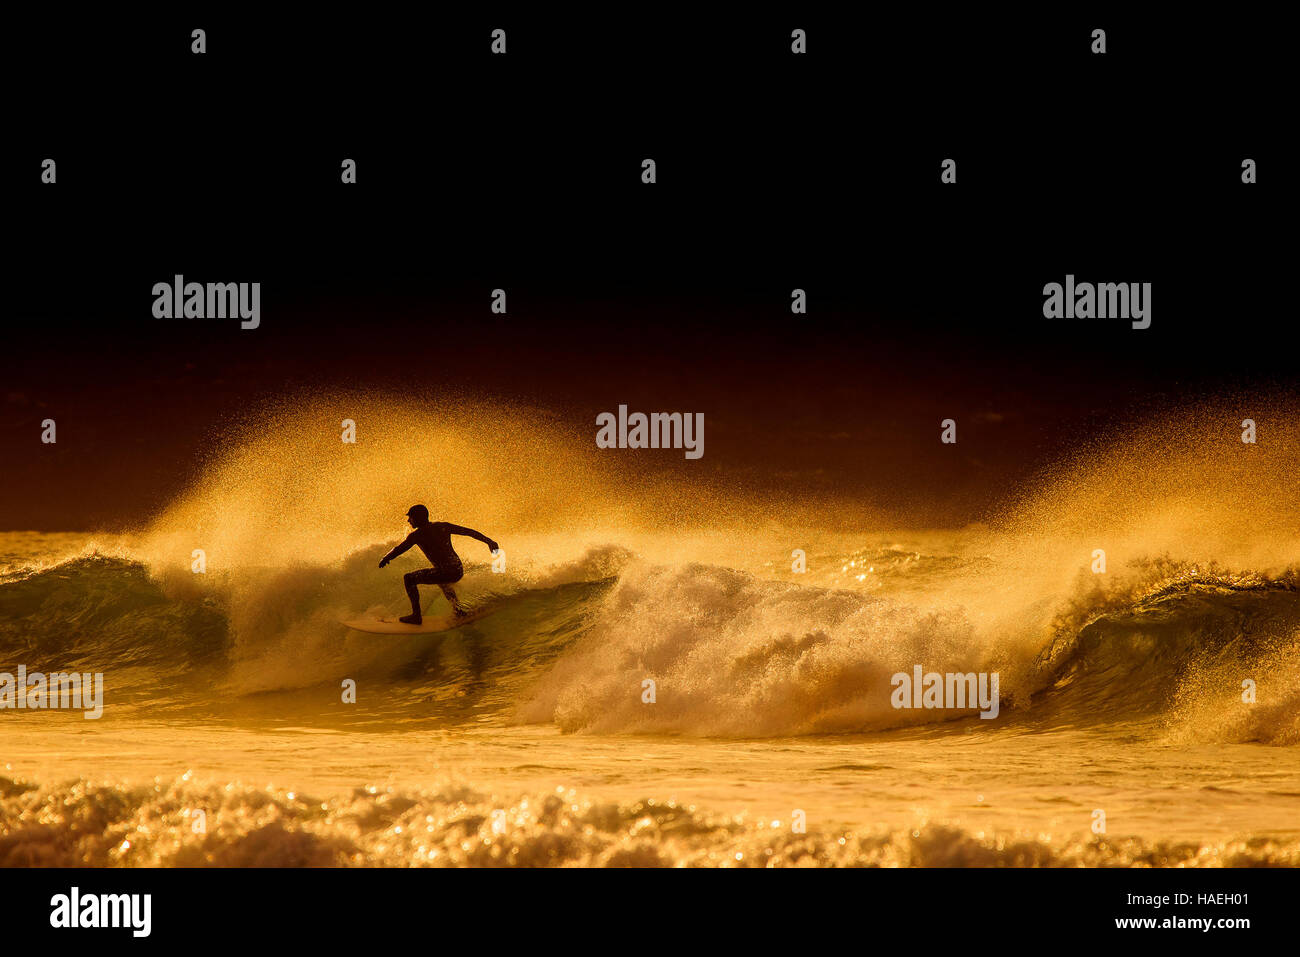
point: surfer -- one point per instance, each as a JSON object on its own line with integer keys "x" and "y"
{"x": 434, "y": 539}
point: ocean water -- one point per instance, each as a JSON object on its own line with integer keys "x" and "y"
{"x": 526, "y": 738}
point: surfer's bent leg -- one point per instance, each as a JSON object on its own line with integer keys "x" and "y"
{"x": 432, "y": 576}
{"x": 454, "y": 574}
{"x": 455, "y": 603}
{"x": 413, "y": 580}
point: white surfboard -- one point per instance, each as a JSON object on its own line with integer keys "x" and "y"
{"x": 429, "y": 626}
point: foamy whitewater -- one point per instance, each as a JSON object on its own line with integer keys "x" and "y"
{"x": 524, "y": 738}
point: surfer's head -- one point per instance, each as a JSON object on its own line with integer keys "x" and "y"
{"x": 417, "y": 515}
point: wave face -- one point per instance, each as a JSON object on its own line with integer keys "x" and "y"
{"x": 178, "y": 645}
{"x": 736, "y": 655}
{"x": 618, "y": 577}
{"x": 731, "y": 653}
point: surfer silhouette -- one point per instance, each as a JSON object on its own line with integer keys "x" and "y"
{"x": 434, "y": 539}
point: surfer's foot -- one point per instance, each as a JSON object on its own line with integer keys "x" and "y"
{"x": 411, "y": 620}
{"x": 460, "y": 612}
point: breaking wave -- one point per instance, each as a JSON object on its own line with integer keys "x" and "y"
{"x": 730, "y": 653}
{"x": 619, "y": 577}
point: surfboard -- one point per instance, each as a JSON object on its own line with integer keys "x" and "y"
{"x": 430, "y": 625}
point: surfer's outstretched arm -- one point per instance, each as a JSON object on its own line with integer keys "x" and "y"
{"x": 470, "y": 533}
{"x": 405, "y": 546}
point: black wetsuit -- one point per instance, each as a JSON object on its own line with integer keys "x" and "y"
{"x": 434, "y": 539}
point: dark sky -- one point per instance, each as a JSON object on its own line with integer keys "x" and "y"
{"x": 775, "y": 172}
